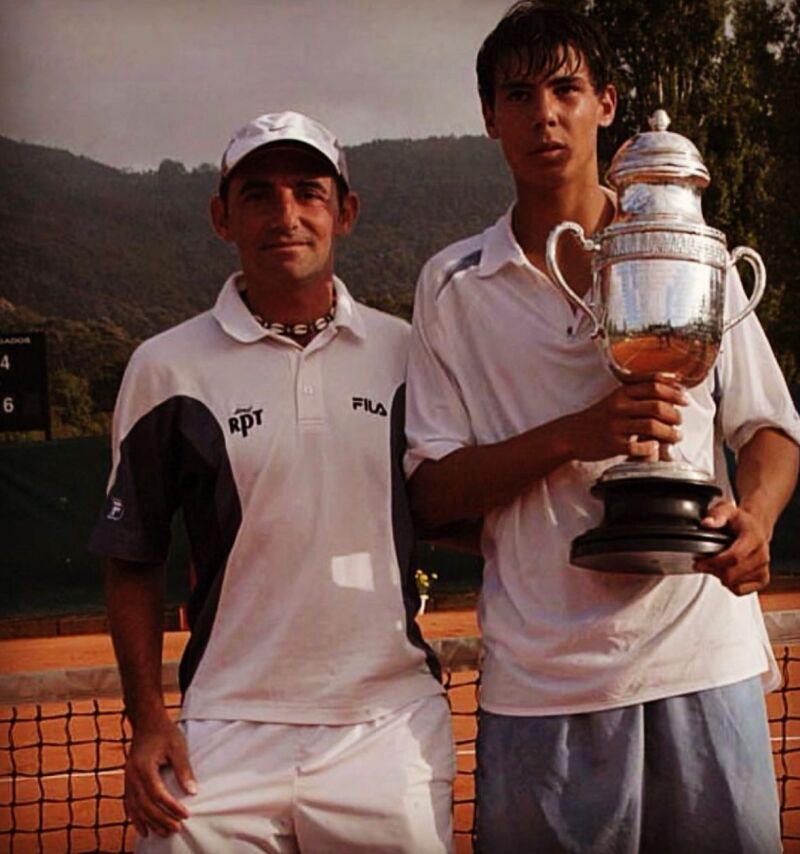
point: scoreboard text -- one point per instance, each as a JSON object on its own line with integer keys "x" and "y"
{"x": 23, "y": 382}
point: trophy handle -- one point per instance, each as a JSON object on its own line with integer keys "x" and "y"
{"x": 745, "y": 253}
{"x": 555, "y": 272}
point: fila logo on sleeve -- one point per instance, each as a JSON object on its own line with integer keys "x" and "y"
{"x": 243, "y": 420}
{"x": 369, "y": 406}
{"x": 116, "y": 510}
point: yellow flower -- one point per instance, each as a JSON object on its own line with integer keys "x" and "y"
{"x": 424, "y": 581}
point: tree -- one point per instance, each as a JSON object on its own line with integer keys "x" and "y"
{"x": 783, "y": 224}
{"x": 726, "y": 72}
{"x": 72, "y": 404}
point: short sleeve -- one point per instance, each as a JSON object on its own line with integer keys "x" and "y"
{"x": 134, "y": 523}
{"x": 437, "y": 420}
{"x": 753, "y": 391}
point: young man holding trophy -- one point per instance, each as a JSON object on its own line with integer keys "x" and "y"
{"x": 621, "y": 706}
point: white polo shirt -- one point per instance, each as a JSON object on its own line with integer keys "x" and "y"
{"x": 287, "y": 463}
{"x": 497, "y": 350}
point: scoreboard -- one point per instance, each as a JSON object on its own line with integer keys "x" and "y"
{"x": 23, "y": 382}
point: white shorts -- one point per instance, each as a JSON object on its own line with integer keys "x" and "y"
{"x": 380, "y": 786}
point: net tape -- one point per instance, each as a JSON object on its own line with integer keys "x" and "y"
{"x": 62, "y": 760}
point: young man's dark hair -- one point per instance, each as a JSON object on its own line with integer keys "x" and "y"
{"x": 535, "y": 40}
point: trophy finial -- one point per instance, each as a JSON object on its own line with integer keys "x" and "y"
{"x": 656, "y": 157}
{"x": 659, "y": 121}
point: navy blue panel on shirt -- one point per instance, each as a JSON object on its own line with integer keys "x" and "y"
{"x": 175, "y": 455}
{"x": 403, "y": 530}
{"x": 471, "y": 260}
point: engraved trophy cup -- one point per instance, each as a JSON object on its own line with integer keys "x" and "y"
{"x": 656, "y": 301}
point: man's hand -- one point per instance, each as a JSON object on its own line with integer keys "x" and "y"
{"x": 744, "y": 566}
{"x": 150, "y": 805}
{"x": 637, "y": 419}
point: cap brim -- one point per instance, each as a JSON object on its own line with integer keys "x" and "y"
{"x": 292, "y": 144}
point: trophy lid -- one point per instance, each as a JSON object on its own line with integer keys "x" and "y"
{"x": 658, "y": 156}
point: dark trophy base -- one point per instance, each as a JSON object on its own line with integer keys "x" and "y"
{"x": 651, "y": 526}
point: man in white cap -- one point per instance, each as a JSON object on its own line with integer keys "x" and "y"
{"x": 312, "y": 718}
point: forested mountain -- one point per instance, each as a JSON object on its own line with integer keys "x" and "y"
{"x": 101, "y": 258}
{"x": 81, "y": 240}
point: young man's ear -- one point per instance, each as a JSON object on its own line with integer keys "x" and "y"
{"x": 608, "y": 106}
{"x": 219, "y": 216}
{"x": 348, "y": 214}
{"x": 488, "y": 120}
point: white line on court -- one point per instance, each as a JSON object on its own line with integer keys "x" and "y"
{"x": 109, "y": 772}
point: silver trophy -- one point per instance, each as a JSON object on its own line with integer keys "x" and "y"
{"x": 657, "y": 305}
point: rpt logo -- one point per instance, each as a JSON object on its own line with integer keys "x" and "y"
{"x": 244, "y": 419}
{"x": 369, "y": 406}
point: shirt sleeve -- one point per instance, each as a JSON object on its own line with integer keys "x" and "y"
{"x": 134, "y": 523}
{"x": 437, "y": 419}
{"x": 753, "y": 391}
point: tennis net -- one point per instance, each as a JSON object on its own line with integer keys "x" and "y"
{"x": 63, "y": 737}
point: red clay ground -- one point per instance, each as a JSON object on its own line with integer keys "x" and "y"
{"x": 27, "y": 655}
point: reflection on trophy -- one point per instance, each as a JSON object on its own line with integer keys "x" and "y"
{"x": 656, "y": 302}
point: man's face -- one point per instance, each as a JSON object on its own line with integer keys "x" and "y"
{"x": 283, "y": 214}
{"x": 548, "y": 125}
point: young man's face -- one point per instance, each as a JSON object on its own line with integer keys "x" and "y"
{"x": 283, "y": 214}
{"x": 548, "y": 125}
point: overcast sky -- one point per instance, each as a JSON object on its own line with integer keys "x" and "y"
{"x": 131, "y": 82}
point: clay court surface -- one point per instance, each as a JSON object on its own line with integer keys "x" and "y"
{"x": 97, "y": 796}
{"x": 92, "y": 793}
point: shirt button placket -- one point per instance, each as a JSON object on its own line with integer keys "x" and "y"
{"x": 309, "y": 389}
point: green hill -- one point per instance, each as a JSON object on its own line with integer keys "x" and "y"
{"x": 101, "y": 258}
{"x": 81, "y": 240}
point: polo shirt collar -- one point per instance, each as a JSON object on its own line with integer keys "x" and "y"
{"x": 236, "y": 320}
{"x": 349, "y": 314}
{"x": 500, "y": 247}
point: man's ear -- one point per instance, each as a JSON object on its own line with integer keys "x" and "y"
{"x": 348, "y": 214}
{"x": 488, "y": 120}
{"x": 219, "y": 216}
{"x": 608, "y": 106}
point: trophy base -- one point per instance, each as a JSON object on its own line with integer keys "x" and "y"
{"x": 653, "y": 551}
{"x": 651, "y": 524}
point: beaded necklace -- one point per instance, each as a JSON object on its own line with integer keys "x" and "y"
{"x": 299, "y": 330}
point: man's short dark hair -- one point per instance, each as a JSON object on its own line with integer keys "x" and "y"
{"x": 535, "y": 39}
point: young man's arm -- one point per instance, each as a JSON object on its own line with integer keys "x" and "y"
{"x": 471, "y": 480}
{"x": 765, "y": 479}
{"x": 135, "y": 604}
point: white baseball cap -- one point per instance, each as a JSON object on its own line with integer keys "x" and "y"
{"x": 283, "y": 127}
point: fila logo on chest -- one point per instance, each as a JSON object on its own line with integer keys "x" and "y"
{"x": 367, "y": 405}
{"x": 243, "y": 420}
